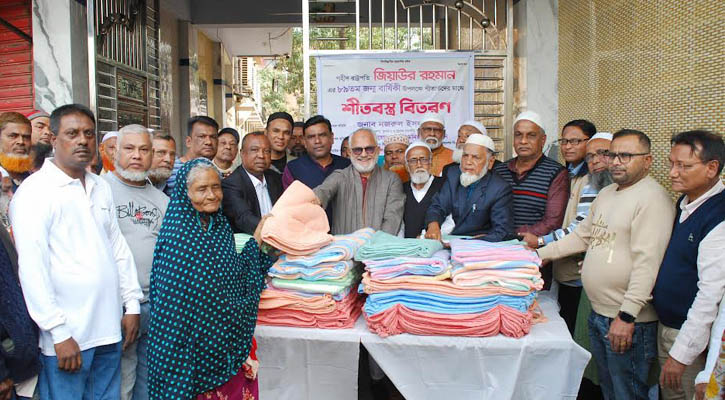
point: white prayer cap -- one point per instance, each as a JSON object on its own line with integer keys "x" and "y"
{"x": 433, "y": 118}
{"x": 109, "y": 135}
{"x": 602, "y": 135}
{"x": 396, "y": 138}
{"x": 476, "y": 125}
{"x": 415, "y": 144}
{"x": 530, "y": 116}
{"x": 482, "y": 140}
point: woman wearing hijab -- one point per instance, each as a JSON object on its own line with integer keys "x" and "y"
{"x": 204, "y": 296}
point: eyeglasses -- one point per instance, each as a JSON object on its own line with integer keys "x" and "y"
{"x": 421, "y": 161}
{"x": 370, "y": 150}
{"x": 574, "y": 142}
{"x": 429, "y": 129}
{"x": 600, "y": 153}
{"x": 624, "y": 158}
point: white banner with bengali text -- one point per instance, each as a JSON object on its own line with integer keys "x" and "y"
{"x": 391, "y": 93}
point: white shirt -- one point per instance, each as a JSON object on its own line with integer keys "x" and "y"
{"x": 265, "y": 202}
{"x": 693, "y": 336}
{"x": 718, "y": 327}
{"x": 420, "y": 193}
{"x": 75, "y": 267}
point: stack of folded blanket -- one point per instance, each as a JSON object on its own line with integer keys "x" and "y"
{"x": 315, "y": 290}
{"x": 483, "y": 289}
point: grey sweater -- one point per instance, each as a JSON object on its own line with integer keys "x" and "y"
{"x": 381, "y": 209}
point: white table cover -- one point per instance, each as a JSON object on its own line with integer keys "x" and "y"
{"x": 307, "y": 364}
{"x": 303, "y": 363}
{"x": 545, "y": 364}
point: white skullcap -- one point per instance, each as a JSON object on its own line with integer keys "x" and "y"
{"x": 397, "y": 138}
{"x": 476, "y": 125}
{"x": 602, "y": 135}
{"x": 481, "y": 140}
{"x": 109, "y": 135}
{"x": 530, "y": 116}
{"x": 433, "y": 118}
{"x": 415, "y": 144}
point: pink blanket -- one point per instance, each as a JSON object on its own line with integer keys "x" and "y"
{"x": 297, "y": 226}
{"x": 343, "y": 317}
{"x": 434, "y": 284}
{"x": 272, "y": 298}
{"x": 500, "y": 319}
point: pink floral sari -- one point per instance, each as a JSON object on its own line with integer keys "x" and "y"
{"x": 242, "y": 386}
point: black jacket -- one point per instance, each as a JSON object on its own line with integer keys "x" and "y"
{"x": 240, "y": 204}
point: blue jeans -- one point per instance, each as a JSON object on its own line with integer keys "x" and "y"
{"x": 98, "y": 379}
{"x": 134, "y": 363}
{"x": 623, "y": 376}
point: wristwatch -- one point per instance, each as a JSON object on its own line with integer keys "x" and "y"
{"x": 540, "y": 241}
{"x": 626, "y": 317}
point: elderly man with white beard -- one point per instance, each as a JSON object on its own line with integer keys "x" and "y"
{"x": 420, "y": 190}
{"x": 140, "y": 208}
{"x": 363, "y": 194}
{"x": 480, "y": 202}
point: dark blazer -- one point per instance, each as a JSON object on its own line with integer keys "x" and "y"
{"x": 486, "y": 210}
{"x": 240, "y": 204}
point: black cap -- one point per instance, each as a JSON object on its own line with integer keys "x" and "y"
{"x": 230, "y": 131}
{"x": 281, "y": 115}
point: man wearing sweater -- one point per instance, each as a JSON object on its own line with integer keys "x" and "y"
{"x": 625, "y": 236}
{"x": 691, "y": 281}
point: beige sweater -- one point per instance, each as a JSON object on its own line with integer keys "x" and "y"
{"x": 625, "y": 236}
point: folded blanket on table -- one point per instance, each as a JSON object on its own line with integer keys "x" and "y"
{"x": 343, "y": 317}
{"x": 297, "y": 225}
{"x": 329, "y": 286}
{"x": 443, "y": 304}
{"x": 513, "y": 279}
{"x": 343, "y": 247}
{"x": 328, "y": 270}
{"x": 240, "y": 239}
{"x": 392, "y": 267}
{"x": 478, "y": 250}
{"x": 385, "y": 246}
{"x": 434, "y": 284}
{"x": 272, "y": 298}
{"x": 401, "y": 319}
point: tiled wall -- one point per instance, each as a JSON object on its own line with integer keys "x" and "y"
{"x": 656, "y": 66}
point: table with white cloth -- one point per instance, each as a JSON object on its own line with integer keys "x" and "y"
{"x": 303, "y": 363}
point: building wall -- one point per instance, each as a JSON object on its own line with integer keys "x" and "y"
{"x": 169, "y": 73}
{"x": 206, "y": 59}
{"x": 653, "y": 66}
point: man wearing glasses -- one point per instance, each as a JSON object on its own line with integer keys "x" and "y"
{"x": 421, "y": 189}
{"x": 363, "y": 194}
{"x": 625, "y": 236}
{"x": 480, "y": 202}
{"x": 432, "y": 132}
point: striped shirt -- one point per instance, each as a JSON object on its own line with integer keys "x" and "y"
{"x": 586, "y": 197}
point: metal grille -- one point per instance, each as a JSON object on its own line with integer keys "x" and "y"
{"x": 482, "y": 26}
{"x": 120, "y": 31}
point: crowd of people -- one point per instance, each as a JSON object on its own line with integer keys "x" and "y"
{"x": 119, "y": 275}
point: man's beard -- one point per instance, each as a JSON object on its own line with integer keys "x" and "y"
{"x": 420, "y": 176}
{"x": 432, "y": 142}
{"x": 130, "y": 175}
{"x": 108, "y": 164}
{"x": 467, "y": 179}
{"x": 16, "y": 163}
{"x": 360, "y": 168}
{"x": 159, "y": 174}
{"x": 599, "y": 180}
{"x": 458, "y": 154}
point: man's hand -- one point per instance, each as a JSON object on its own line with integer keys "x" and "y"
{"x": 433, "y": 231}
{"x": 129, "y": 324}
{"x": 69, "y": 355}
{"x": 620, "y": 335}
{"x": 6, "y": 389}
{"x": 530, "y": 239}
{"x": 671, "y": 375}
{"x": 700, "y": 389}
